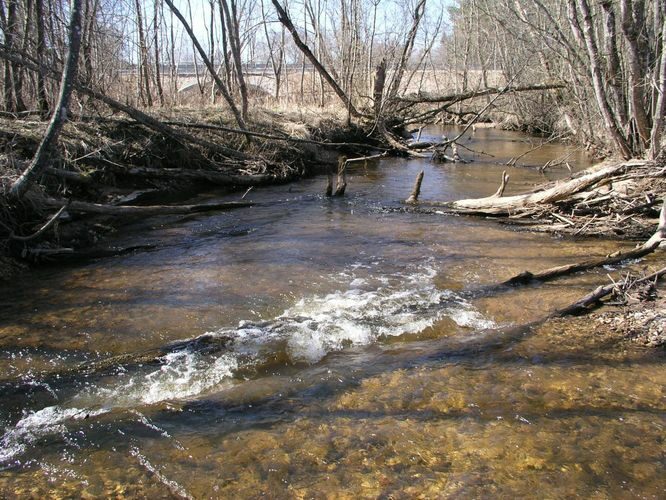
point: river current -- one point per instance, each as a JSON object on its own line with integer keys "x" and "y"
{"x": 343, "y": 348}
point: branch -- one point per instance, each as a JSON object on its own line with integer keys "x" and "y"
{"x": 42, "y": 229}
{"x": 456, "y": 98}
{"x": 286, "y": 21}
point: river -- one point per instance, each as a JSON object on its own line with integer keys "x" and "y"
{"x": 338, "y": 348}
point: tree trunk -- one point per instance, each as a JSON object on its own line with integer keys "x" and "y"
{"x": 634, "y": 74}
{"x": 211, "y": 69}
{"x": 158, "y": 69}
{"x": 231, "y": 16}
{"x": 7, "y": 96}
{"x": 597, "y": 81}
{"x": 660, "y": 108}
{"x": 286, "y": 21}
{"x": 614, "y": 70}
{"x": 143, "y": 50}
{"x": 40, "y": 160}
{"x": 407, "y": 50}
{"x": 42, "y": 100}
{"x": 378, "y": 88}
{"x": 493, "y": 205}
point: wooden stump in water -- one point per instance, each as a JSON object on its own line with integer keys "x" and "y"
{"x": 341, "y": 183}
{"x": 342, "y": 177}
{"x": 414, "y": 196}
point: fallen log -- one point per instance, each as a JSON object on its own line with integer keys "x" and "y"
{"x": 271, "y": 137}
{"x": 147, "y": 210}
{"x": 494, "y": 205}
{"x": 200, "y": 175}
{"x": 555, "y": 272}
{"x": 593, "y": 299}
{"x": 646, "y": 248}
{"x": 425, "y": 98}
{"x": 69, "y": 175}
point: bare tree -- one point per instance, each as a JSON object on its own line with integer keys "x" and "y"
{"x": 156, "y": 49}
{"x": 231, "y": 17}
{"x": 42, "y": 155}
{"x": 221, "y": 86}
{"x": 143, "y": 56}
{"x": 286, "y": 21}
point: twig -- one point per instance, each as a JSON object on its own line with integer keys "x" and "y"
{"x": 42, "y": 229}
{"x": 246, "y": 192}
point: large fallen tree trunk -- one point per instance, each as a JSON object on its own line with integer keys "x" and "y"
{"x": 446, "y": 102}
{"x": 471, "y": 94}
{"x": 496, "y": 205}
{"x": 210, "y": 176}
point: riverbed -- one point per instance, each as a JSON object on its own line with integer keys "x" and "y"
{"x": 330, "y": 347}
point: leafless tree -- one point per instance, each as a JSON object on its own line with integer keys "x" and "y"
{"x": 43, "y": 153}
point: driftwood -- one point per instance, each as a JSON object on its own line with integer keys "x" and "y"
{"x": 494, "y": 205}
{"x": 366, "y": 158}
{"x": 660, "y": 233}
{"x": 593, "y": 299}
{"x": 500, "y": 190}
{"x": 556, "y": 272}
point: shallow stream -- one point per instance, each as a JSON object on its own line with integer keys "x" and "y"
{"x": 342, "y": 348}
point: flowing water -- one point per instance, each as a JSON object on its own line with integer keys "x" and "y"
{"x": 342, "y": 348}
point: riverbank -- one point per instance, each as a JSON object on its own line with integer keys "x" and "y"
{"x": 120, "y": 165}
{"x": 112, "y": 162}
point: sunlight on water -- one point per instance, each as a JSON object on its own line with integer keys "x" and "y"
{"x": 329, "y": 348}
{"x": 373, "y": 307}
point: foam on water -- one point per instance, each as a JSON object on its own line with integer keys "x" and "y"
{"x": 364, "y": 309}
{"x": 184, "y": 374}
{"x": 47, "y": 421}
